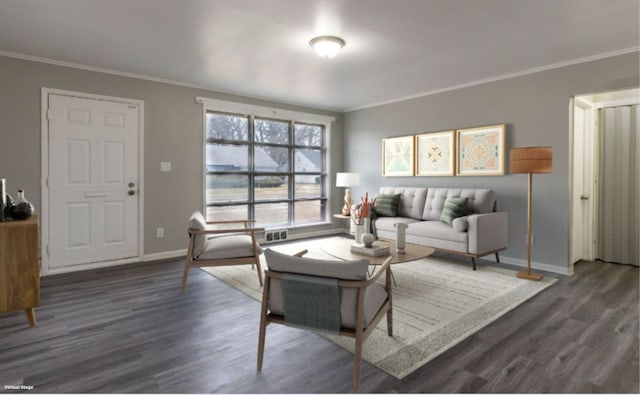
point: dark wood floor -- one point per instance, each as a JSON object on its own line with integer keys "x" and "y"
{"x": 128, "y": 330}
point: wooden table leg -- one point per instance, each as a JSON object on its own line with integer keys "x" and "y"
{"x": 31, "y": 315}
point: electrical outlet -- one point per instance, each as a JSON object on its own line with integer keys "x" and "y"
{"x": 165, "y": 167}
{"x": 159, "y": 233}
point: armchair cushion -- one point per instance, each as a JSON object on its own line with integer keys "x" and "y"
{"x": 375, "y": 294}
{"x": 228, "y": 246}
{"x": 197, "y": 222}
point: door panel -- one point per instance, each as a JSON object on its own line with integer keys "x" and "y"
{"x": 93, "y": 157}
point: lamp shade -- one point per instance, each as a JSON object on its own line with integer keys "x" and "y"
{"x": 530, "y": 160}
{"x": 347, "y": 179}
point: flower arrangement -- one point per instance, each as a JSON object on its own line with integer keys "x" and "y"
{"x": 363, "y": 210}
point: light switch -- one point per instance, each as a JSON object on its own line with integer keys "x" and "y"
{"x": 165, "y": 167}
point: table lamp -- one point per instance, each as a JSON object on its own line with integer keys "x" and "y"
{"x": 530, "y": 160}
{"x": 347, "y": 180}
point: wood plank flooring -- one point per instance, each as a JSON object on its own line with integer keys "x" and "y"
{"x": 128, "y": 330}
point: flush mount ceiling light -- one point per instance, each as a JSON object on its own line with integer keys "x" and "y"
{"x": 327, "y": 46}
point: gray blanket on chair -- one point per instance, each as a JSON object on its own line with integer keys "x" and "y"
{"x": 311, "y": 302}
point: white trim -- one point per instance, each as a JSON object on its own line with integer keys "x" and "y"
{"x": 618, "y": 103}
{"x": 44, "y": 218}
{"x": 87, "y": 266}
{"x": 162, "y": 256}
{"x": 263, "y": 111}
{"x": 502, "y": 77}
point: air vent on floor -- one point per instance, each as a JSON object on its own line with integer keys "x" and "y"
{"x": 271, "y": 236}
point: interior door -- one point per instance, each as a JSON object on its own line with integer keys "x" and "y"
{"x": 93, "y": 171}
{"x": 583, "y": 184}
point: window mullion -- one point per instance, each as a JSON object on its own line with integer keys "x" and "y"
{"x": 252, "y": 170}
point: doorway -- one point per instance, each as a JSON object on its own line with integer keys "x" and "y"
{"x": 91, "y": 203}
{"x": 589, "y": 194}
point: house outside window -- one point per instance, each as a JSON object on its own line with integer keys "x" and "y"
{"x": 271, "y": 169}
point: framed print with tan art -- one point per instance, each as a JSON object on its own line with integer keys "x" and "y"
{"x": 397, "y": 156}
{"x": 480, "y": 151}
{"x": 435, "y": 155}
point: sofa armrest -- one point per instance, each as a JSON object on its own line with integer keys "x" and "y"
{"x": 487, "y": 232}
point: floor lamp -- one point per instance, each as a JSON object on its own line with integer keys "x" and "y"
{"x": 347, "y": 180}
{"x": 530, "y": 160}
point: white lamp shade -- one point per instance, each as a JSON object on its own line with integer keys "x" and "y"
{"x": 347, "y": 179}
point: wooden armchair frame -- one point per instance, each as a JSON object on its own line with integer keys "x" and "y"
{"x": 360, "y": 334}
{"x": 190, "y": 261}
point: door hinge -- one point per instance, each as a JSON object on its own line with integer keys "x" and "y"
{"x": 47, "y": 249}
{"x": 49, "y": 114}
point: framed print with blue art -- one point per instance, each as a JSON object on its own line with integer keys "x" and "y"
{"x": 481, "y": 151}
{"x": 435, "y": 154}
{"x": 397, "y": 156}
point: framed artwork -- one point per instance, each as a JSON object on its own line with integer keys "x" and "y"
{"x": 397, "y": 156}
{"x": 435, "y": 155}
{"x": 481, "y": 151}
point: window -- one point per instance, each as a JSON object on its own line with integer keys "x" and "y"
{"x": 271, "y": 169}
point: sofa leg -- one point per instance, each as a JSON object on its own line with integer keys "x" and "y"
{"x": 473, "y": 260}
{"x": 497, "y": 258}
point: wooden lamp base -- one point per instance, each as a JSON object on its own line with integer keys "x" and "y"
{"x": 529, "y": 276}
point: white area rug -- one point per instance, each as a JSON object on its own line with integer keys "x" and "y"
{"x": 436, "y": 304}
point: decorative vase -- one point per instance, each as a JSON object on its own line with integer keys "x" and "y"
{"x": 7, "y": 207}
{"x": 368, "y": 238}
{"x": 3, "y": 198}
{"x": 22, "y": 208}
{"x": 359, "y": 232}
{"x": 401, "y": 230}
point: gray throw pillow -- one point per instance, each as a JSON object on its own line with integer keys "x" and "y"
{"x": 453, "y": 208}
{"x": 387, "y": 205}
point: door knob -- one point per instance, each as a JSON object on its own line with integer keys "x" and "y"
{"x": 583, "y": 197}
{"x": 131, "y": 192}
{"x": 131, "y": 185}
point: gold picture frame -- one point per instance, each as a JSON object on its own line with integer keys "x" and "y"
{"x": 398, "y": 156}
{"x": 480, "y": 151}
{"x": 435, "y": 154}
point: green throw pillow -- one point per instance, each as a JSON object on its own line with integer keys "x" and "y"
{"x": 453, "y": 208}
{"x": 387, "y": 205}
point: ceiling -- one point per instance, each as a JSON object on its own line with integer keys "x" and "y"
{"x": 395, "y": 49}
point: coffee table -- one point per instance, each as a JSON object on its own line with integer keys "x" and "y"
{"x": 340, "y": 247}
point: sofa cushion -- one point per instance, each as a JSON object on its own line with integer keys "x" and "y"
{"x": 453, "y": 208}
{"x": 387, "y": 205}
{"x": 479, "y": 201}
{"x": 436, "y": 230}
{"x": 460, "y": 224}
{"x": 411, "y": 202}
{"x": 386, "y": 223}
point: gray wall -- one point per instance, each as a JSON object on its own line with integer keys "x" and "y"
{"x": 534, "y": 107}
{"x": 173, "y": 132}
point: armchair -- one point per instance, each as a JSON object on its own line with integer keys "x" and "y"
{"x": 333, "y": 296}
{"x": 221, "y": 247}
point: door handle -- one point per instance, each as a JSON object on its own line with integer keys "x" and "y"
{"x": 583, "y": 197}
{"x": 95, "y": 194}
{"x": 131, "y": 192}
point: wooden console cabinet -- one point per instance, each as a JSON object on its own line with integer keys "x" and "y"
{"x": 20, "y": 267}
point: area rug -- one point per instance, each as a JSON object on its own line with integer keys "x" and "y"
{"x": 437, "y": 303}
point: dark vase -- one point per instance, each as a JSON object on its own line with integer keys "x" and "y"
{"x": 22, "y": 208}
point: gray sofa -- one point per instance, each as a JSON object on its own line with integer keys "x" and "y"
{"x": 482, "y": 232}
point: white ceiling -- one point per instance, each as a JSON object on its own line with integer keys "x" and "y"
{"x": 259, "y": 48}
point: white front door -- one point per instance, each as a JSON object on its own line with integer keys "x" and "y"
{"x": 93, "y": 180}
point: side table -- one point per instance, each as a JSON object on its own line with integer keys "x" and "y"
{"x": 20, "y": 267}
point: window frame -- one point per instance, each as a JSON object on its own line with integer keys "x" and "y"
{"x": 292, "y": 118}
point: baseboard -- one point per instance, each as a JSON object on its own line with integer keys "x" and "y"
{"x": 161, "y": 256}
{"x": 534, "y": 265}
